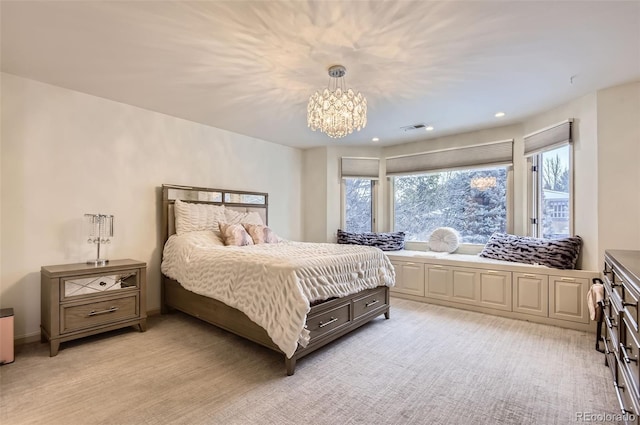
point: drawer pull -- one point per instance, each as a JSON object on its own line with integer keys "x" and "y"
{"x": 109, "y": 310}
{"x": 567, "y": 279}
{"x": 529, "y": 275}
{"x": 369, "y": 304}
{"x": 610, "y": 322}
{"x": 606, "y": 346}
{"x": 437, "y": 266}
{"x": 492, "y": 271}
{"x": 626, "y": 358}
{"x": 625, "y": 304}
{"x": 103, "y": 283}
{"x": 331, "y": 320}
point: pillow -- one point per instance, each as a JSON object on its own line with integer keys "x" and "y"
{"x": 385, "y": 241}
{"x": 191, "y": 217}
{"x": 251, "y": 217}
{"x": 556, "y": 253}
{"x": 444, "y": 239}
{"x": 234, "y": 234}
{"x": 261, "y": 234}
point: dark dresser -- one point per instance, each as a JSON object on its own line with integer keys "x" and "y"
{"x": 622, "y": 336}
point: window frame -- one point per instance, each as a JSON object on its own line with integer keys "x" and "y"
{"x": 534, "y": 193}
{"x": 374, "y": 202}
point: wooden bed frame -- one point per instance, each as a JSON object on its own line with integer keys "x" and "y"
{"x": 326, "y": 321}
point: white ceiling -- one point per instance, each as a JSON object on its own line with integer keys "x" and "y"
{"x": 250, "y": 67}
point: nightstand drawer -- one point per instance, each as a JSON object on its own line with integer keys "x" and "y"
{"x": 87, "y": 285}
{"x": 83, "y": 316}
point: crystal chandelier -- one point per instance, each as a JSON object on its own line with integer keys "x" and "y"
{"x": 337, "y": 111}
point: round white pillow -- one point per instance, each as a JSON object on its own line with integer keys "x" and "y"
{"x": 444, "y": 239}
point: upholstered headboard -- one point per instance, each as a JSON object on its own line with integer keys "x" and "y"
{"x": 233, "y": 199}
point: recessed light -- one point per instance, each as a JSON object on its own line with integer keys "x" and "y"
{"x": 429, "y": 128}
{"x": 500, "y": 114}
{"x": 375, "y": 139}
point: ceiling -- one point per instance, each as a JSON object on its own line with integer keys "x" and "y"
{"x": 250, "y": 67}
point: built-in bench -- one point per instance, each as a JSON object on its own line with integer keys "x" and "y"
{"x": 521, "y": 291}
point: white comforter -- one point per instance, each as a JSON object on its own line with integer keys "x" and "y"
{"x": 274, "y": 284}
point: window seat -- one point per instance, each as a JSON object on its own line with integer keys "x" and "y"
{"x": 521, "y": 291}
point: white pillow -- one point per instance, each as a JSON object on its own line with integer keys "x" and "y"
{"x": 194, "y": 217}
{"x": 233, "y": 217}
{"x": 444, "y": 239}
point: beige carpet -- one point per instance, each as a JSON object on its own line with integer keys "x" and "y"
{"x": 427, "y": 364}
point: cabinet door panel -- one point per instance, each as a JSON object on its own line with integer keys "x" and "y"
{"x": 568, "y": 299}
{"x": 438, "y": 282}
{"x": 531, "y": 294}
{"x": 409, "y": 278}
{"x": 465, "y": 287}
{"x": 495, "y": 289}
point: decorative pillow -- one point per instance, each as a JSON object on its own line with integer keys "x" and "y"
{"x": 261, "y": 234}
{"x": 444, "y": 239}
{"x": 385, "y": 241}
{"x": 251, "y": 217}
{"x": 556, "y": 253}
{"x": 191, "y": 217}
{"x": 234, "y": 234}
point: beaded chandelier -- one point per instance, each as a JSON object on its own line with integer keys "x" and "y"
{"x": 337, "y": 111}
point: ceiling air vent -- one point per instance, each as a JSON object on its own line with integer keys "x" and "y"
{"x": 413, "y": 127}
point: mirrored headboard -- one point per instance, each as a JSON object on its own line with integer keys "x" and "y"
{"x": 234, "y": 199}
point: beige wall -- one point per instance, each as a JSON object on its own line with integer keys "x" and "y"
{"x": 314, "y": 187}
{"x": 618, "y": 168}
{"x": 66, "y": 153}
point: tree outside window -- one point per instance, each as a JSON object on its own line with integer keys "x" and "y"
{"x": 358, "y": 205}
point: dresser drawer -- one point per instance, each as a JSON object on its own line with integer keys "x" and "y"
{"x": 611, "y": 320}
{"x": 627, "y": 396}
{"x": 369, "y": 303}
{"x": 629, "y": 355}
{"x": 76, "y": 317}
{"x": 328, "y": 321}
{"x": 87, "y": 285}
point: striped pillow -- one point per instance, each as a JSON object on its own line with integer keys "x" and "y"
{"x": 393, "y": 241}
{"x": 556, "y": 253}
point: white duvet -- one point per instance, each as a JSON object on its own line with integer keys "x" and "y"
{"x": 274, "y": 284}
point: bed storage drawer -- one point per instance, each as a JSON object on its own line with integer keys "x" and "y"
{"x": 369, "y": 303}
{"x": 328, "y": 321}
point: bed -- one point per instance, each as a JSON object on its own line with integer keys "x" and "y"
{"x": 330, "y": 289}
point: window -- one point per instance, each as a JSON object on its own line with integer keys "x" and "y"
{"x": 549, "y": 153}
{"x": 551, "y": 193}
{"x": 472, "y": 201}
{"x": 358, "y": 204}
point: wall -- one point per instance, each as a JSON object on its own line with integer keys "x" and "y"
{"x": 314, "y": 184}
{"x": 618, "y": 168}
{"x": 66, "y": 153}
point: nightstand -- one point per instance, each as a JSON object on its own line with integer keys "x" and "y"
{"x": 78, "y": 300}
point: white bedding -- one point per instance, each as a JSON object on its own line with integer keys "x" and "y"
{"x": 274, "y": 284}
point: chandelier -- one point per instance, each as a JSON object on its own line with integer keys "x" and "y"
{"x": 483, "y": 183}
{"x": 337, "y": 111}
